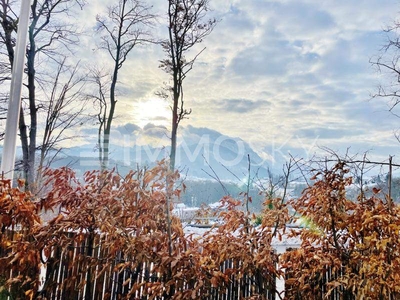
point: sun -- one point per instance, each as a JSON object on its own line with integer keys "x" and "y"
{"x": 152, "y": 110}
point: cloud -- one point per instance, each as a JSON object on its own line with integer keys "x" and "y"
{"x": 344, "y": 60}
{"x": 260, "y": 61}
{"x": 300, "y": 20}
{"x": 153, "y": 131}
{"x": 289, "y": 68}
{"x": 327, "y": 133}
{"x": 160, "y": 118}
{"x": 127, "y": 128}
{"x": 241, "y": 106}
{"x": 269, "y": 55}
{"x": 201, "y": 131}
{"x": 350, "y": 16}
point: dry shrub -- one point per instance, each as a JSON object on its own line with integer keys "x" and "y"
{"x": 19, "y": 259}
{"x": 350, "y": 248}
{"x": 111, "y": 224}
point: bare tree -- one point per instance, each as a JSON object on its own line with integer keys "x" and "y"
{"x": 101, "y": 80}
{"x": 187, "y": 27}
{"x": 8, "y": 19}
{"x": 9, "y": 27}
{"x": 48, "y": 33}
{"x": 388, "y": 63}
{"x": 125, "y": 26}
{"x": 65, "y": 110}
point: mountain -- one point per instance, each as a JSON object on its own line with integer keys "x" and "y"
{"x": 201, "y": 152}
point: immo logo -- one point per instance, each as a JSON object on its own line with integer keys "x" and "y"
{"x": 227, "y": 151}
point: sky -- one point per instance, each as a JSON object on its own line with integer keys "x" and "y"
{"x": 285, "y": 74}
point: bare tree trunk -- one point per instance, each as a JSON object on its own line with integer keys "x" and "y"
{"x": 24, "y": 142}
{"x": 107, "y": 130}
{"x": 33, "y": 127}
{"x": 176, "y": 66}
{"x": 186, "y": 28}
{"x": 174, "y": 132}
{"x": 31, "y": 55}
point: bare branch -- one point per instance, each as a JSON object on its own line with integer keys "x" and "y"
{"x": 125, "y": 26}
{"x": 186, "y": 28}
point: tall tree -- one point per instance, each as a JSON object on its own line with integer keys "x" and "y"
{"x": 125, "y": 26}
{"x": 48, "y": 33}
{"x": 44, "y": 35}
{"x": 187, "y": 27}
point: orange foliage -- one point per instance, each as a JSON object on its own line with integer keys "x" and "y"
{"x": 108, "y": 224}
{"x": 351, "y": 249}
{"x": 19, "y": 223}
{"x": 111, "y": 235}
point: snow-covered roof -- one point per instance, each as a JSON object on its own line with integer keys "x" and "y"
{"x": 286, "y": 241}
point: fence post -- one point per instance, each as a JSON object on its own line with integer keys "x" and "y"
{"x": 389, "y": 200}
{"x": 89, "y": 281}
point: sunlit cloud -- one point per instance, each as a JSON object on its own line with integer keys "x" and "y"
{"x": 295, "y": 71}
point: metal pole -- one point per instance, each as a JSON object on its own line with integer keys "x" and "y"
{"x": 14, "y": 105}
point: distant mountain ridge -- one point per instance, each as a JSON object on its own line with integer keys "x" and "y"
{"x": 200, "y": 151}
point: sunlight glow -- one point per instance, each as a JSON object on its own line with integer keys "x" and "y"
{"x": 152, "y": 110}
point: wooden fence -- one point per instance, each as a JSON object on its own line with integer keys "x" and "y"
{"x": 81, "y": 269}
{"x": 319, "y": 285}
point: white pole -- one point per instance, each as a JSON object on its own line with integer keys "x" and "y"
{"x": 10, "y": 138}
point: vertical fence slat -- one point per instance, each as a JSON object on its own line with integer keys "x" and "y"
{"x": 75, "y": 270}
